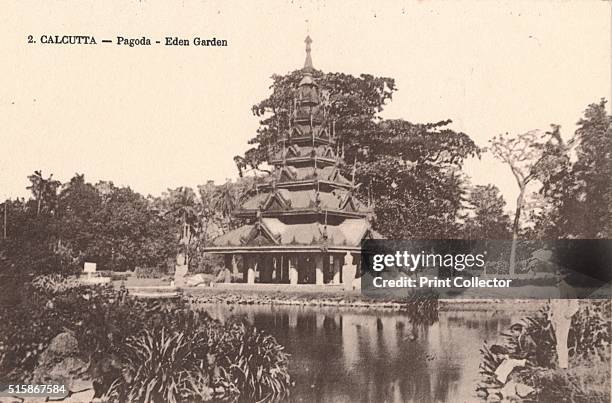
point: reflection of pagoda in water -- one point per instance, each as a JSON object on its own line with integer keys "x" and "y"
{"x": 304, "y": 217}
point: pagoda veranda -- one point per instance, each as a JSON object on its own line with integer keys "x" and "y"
{"x": 303, "y": 221}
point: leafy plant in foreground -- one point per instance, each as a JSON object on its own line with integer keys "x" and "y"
{"x": 161, "y": 366}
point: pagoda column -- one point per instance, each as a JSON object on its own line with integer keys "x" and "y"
{"x": 251, "y": 267}
{"x": 337, "y": 268}
{"x": 273, "y": 270}
{"x": 318, "y": 260}
{"x": 278, "y": 269}
{"x": 227, "y": 269}
{"x": 285, "y": 268}
{"x": 245, "y": 265}
{"x": 293, "y": 272}
{"x": 234, "y": 266}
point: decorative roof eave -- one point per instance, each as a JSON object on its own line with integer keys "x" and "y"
{"x": 348, "y": 199}
{"x": 281, "y": 249}
{"x": 306, "y": 211}
{"x": 317, "y": 121}
{"x": 276, "y": 195}
{"x": 305, "y": 183}
{"x": 320, "y": 160}
{"x": 310, "y": 139}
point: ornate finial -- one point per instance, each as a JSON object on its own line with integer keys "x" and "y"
{"x": 308, "y": 61}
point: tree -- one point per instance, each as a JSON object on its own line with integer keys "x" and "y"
{"x": 43, "y": 190}
{"x": 4, "y": 218}
{"x": 79, "y": 203}
{"x": 409, "y": 173}
{"x": 130, "y": 232}
{"x": 577, "y": 194}
{"x": 557, "y": 180}
{"x": 590, "y": 203}
{"x": 489, "y": 221}
{"x": 529, "y": 156}
{"x": 227, "y": 198}
{"x": 181, "y": 204}
{"x": 351, "y": 103}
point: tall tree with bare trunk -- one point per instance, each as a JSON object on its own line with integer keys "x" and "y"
{"x": 527, "y": 156}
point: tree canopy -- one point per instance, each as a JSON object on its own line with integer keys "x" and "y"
{"x": 410, "y": 173}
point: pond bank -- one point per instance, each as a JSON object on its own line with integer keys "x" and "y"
{"x": 352, "y": 299}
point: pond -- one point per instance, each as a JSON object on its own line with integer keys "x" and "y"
{"x": 367, "y": 355}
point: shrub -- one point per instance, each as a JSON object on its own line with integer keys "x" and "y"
{"x": 497, "y": 267}
{"x": 253, "y": 362}
{"x": 588, "y": 383}
{"x": 115, "y": 276}
{"x": 164, "y": 347}
{"x": 26, "y": 332}
{"x": 149, "y": 272}
{"x": 422, "y": 307}
{"x": 54, "y": 283}
{"x": 535, "y": 281}
{"x": 162, "y": 366}
{"x": 532, "y": 338}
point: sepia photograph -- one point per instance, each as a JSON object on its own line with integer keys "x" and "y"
{"x": 305, "y": 201}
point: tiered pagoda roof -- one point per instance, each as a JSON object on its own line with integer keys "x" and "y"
{"x": 306, "y": 204}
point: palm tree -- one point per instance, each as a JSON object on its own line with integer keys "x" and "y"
{"x": 42, "y": 189}
{"x": 225, "y": 200}
{"x": 181, "y": 203}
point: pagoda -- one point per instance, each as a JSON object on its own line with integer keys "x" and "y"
{"x": 304, "y": 218}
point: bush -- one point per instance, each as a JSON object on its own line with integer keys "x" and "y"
{"x": 535, "y": 281}
{"x": 251, "y": 361}
{"x": 163, "y": 366}
{"x": 149, "y": 272}
{"x": 584, "y": 383}
{"x": 497, "y": 267}
{"x": 54, "y": 283}
{"x": 26, "y": 332}
{"x": 533, "y": 339}
{"x": 422, "y": 307}
{"x": 119, "y": 276}
{"x": 167, "y": 350}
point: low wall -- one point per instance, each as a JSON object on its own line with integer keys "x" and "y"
{"x": 334, "y": 288}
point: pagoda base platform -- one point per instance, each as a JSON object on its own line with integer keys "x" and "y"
{"x": 332, "y": 288}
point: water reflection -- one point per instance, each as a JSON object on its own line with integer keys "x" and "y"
{"x": 349, "y": 355}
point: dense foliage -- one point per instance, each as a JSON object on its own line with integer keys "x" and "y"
{"x": 411, "y": 173}
{"x": 571, "y": 179}
{"x": 165, "y": 351}
{"x": 63, "y": 225}
{"x": 532, "y": 338}
{"x": 578, "y": 191}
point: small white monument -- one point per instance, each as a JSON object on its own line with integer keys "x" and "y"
{"x": 180, "y": 270}
{"x": 89, "y": 268}
{"x": 348, "y": 272}
{"x": 560, "y": 316}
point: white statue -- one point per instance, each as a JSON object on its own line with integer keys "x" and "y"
{"x": 180, "y": 270}
{"x": 348, "y": 272}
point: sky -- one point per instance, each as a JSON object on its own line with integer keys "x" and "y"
{"x": 160, "y": 117}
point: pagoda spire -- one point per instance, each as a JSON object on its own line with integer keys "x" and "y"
{"x": 308, "y": 61}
